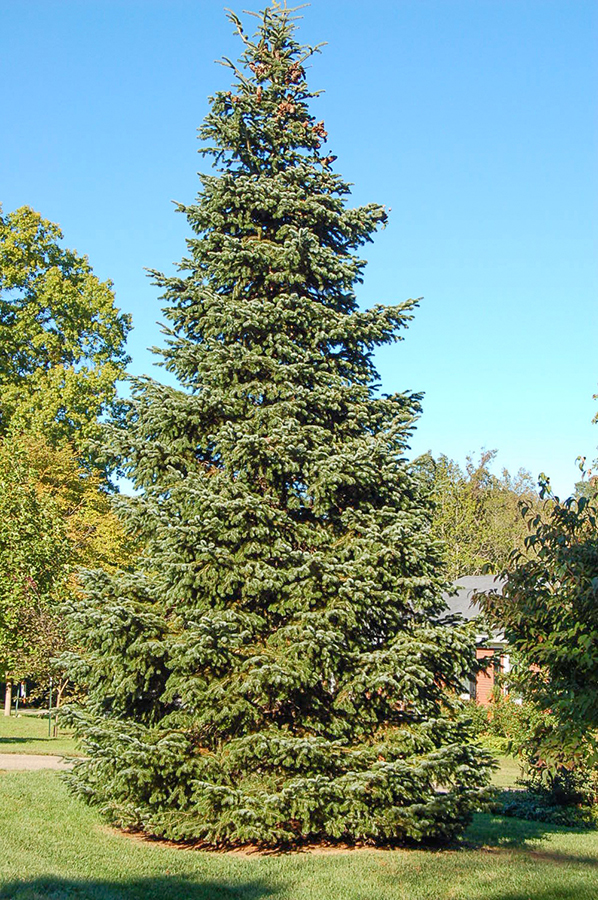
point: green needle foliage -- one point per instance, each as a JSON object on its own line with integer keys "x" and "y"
{"x": 275, "y": 670}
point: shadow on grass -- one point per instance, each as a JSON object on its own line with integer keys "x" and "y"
{"x": 495, "y": 833}
{"x": 495, "y": 830}
{"x": 549, "y": 893}
{"x": 158, "y": 888}
{"x": 25, "y": 740}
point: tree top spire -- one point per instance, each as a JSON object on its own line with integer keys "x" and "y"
{"x": 265, "y": 120}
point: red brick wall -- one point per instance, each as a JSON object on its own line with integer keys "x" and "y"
{"x": 484, "y": 680}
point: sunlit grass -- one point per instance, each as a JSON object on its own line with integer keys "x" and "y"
{"x": 507, "y": 774}
{"x": 56, "y": 848}
{"x": 29, "y": 734}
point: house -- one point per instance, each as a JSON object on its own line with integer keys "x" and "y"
{"x": 460, "y": 601}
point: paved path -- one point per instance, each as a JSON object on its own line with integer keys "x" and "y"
{"x": 31, "y": 762}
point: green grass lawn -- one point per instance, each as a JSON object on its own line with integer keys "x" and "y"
{"x": 56, "y": 848}
{"x": 508, "y": 772}
{"x": 29, "y": 734}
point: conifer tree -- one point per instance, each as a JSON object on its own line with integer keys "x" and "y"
{"x": 276, "y": 668}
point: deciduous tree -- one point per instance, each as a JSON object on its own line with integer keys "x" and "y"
{"x": 549, "y": 612}
{"x": 61, "y": 337}
{"x": 478, "y": 514}
{"x": 61, "y": 355}
{"x": 33, "y": 556}
{"x": 55, "y": 519}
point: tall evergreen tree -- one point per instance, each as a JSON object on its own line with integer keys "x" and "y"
{"x": 276, "y": 668}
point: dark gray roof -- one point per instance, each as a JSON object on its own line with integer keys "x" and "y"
{"x": 465, "y": 587}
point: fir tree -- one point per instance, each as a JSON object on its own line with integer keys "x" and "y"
{"x": 276, "y": 669}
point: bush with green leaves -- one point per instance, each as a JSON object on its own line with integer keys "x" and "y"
{"x": 549, "y": 613}
{"x": 563, "y": 796}
{"x": 540, "y": 806}
{"x": 505, "y": 725}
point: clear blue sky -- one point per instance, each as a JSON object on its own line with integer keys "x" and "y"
{"x": 475, "y": 120}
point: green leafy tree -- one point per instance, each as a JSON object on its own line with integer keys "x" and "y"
{"x": 61, "y": 354}
{"x": 61, "y": 336}
{"x": 478, "y": 514}
{"x": 549, "y": 612}
{"x": 587, "y": 486}
{"x": 33, "y": 555}
{"x": 275, "y": 669}
{"x": 55, "y": 518}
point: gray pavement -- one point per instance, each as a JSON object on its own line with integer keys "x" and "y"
{"x": 32, "y": 762}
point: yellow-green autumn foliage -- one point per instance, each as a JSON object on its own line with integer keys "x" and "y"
{"x": 478, "y": 515}
{"x": 62, "y": 352}
{"x": 34, "y": 553}
{"x": 62, "y": 337}
{"x": 94, "y": 532}
{"x": 55, "y": 518}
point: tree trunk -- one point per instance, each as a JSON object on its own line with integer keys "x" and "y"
{"x": 60, "y": 691}
{"x": 7, "y": 697}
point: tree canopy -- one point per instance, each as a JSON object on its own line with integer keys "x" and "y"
{"x": 33, "y": 554}
{"x": 549, "y": 612}
{"x": 61, "y": 336}
{"x": 61, "y": 354}
{"x": 477, "y": 513}
{"x": 55, "y": 519}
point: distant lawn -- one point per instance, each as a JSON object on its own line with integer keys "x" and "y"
{"x": 56, "y": 848}
{"x": 29, "y": 734}
{"x": 506, "y": 776}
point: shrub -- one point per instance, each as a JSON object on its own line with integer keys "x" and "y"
{"x": 504, "y": 726}
{"x": 565, "y": 786}
{"x": 537, "y": 806}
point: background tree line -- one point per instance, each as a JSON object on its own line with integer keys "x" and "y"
{"x": 62, "y": 343}
{"x": 478, "y": 514}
